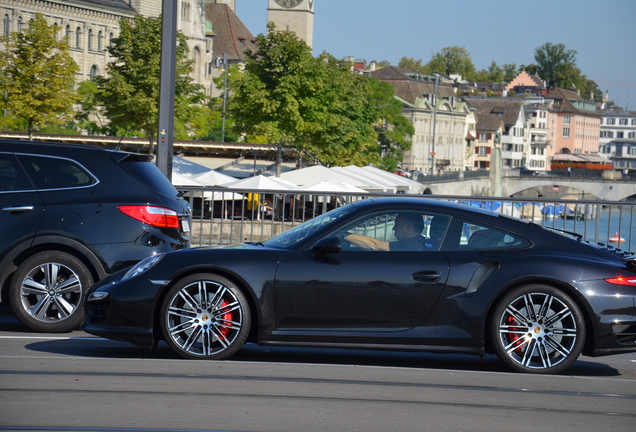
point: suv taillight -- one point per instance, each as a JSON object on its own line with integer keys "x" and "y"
{"x": 154, "y": 216}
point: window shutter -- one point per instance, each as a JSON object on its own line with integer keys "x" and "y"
{"x": 489, "y": 136}
{"x": 487, "y": 164}
{"x": 488, "y": 150}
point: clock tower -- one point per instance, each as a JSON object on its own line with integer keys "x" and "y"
{"x": 294, "y": 15}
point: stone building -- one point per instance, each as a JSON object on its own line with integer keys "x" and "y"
{"x": 444, "y": 125}
{"x": 90, "y": 25}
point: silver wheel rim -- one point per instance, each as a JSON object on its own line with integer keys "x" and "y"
{"x": 51, "y": 292}
{"x": 537, "y": 331}
{"x": 204, "y": 318}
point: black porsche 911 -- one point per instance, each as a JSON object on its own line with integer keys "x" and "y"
{"x": 401, "y": 273}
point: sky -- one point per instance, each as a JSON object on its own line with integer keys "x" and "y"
{"x": 506, "y": 31}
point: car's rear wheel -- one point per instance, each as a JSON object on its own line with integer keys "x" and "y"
{"x": 538, "y": 329}
{"x": 47, "y": 289}
{"x": 205, "y": 316}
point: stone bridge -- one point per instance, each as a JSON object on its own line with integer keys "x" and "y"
{"x": 606, "y": 190}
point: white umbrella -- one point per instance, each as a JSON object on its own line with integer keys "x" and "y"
{"x": 184, "y": 180}
{"x": 326, "y": 186}
{"x": 261, "y": 182}
{"x": 214, "y": 178}
{"x": 184, "y": 166}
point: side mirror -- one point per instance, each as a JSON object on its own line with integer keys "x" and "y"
{"x": 327, "y": 245}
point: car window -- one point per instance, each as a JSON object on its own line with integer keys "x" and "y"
{"x": 148, "y": 173}
{"x": 395, "y": 231}
{"x": 476, "y": 236}
{"x": 12, "y": 178}
{"x": 292, "y": 237}
{"x": 56, "y": 173}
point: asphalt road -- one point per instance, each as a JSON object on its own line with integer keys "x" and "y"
{"x": 77, "y": 382}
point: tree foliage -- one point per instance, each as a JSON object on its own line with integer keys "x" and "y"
{"x": 37, "y": 75}
{"x": 453, "y": 60}
{"x": 317, "y": 104}
{"x": 394, "y": 130}
{"x": 130, "y": 94}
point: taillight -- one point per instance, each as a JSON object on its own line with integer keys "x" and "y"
{"x": 631, "y": 280}
{"x": 154, "y": 216}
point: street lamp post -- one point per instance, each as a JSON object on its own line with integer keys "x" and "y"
{"x": 434, "y": 126}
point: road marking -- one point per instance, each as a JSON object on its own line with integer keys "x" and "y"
{"x": 54, "y": 337}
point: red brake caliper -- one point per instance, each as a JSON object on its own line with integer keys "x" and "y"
{"x": 513, "y": 337}
{"x": 227, "y": 317}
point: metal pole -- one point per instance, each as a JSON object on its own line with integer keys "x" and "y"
{"x": 165, "y": 134}
{"x": 224, "y": 97}
{"x": 434, "y": 126}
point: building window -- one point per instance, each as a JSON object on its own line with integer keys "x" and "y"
{"x": 78, "y": 38}
{"x": 483, "y": 137}
{"x": 110, "y": 39}
{"x": 100, "y": 41}
{"x": 622, "y": 122}
{"x": 566, "y": 132}
{"x": 93, "y": 72}
{"x": 20, "y": 23}
{"x": 566, "y": 120}
{"x": 611, "y": 121}
{"x": 633, "y": 122}
{"x": 483, "y": 151}
{"x": 90, "y": 39}
{"x": 7, "y": 26}
{"x": 632, "y": 150}
{"x": 68, "y": 34}
{"x": 631, "y": 135}
{"x": 619, "y": 134}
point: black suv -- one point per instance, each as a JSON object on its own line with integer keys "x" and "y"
{"x": 71, "y": 214}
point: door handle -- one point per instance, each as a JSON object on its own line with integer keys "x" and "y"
{"x": 427, "y": 276}
{"x": 18, "y": 209}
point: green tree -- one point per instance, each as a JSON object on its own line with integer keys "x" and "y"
{"x": 453, "y": 60}
{"x": 317, "y": 104}
{"x": 411, "y": 63}
{"x": 90, "y": 115}
{"x": 130, "y": 94}
{"x": 556, "y": 65}
{"x": 37, "y": 75}
{"x": 393, "y": 129}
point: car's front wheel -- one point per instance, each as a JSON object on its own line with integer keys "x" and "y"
{"x": 205, "y": 316}
{"x": 47, "y": 289}
{"x": 538, "y": 329}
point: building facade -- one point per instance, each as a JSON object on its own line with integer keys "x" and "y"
{"x": 444, "y": 125}
{"x": 575, "y": 124}
{"x": 539, "y": 117}
{"x": 616, "y": 123}
{"x": 294, "y": 15}
{"x": 90, "y": 26}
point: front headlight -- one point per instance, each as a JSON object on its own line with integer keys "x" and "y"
{"x": 142, "y": 266}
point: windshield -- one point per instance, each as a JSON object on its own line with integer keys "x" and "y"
{"x": 291, "y": 238}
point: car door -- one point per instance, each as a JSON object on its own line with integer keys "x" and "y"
{"x": 359, "y": 290}
{"x": 21, "y": 208}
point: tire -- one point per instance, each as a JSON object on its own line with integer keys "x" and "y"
{"x": 538, "y": 329}
{"x": 47, "y": 289}
{"x": 205, "y": 316}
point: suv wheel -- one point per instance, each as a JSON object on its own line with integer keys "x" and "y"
{"x": 47, "y": 289}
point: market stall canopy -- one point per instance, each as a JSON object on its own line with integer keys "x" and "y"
{"x": 317, "y": 173}
{"x": 214, "y": 178}
{"x": 261, "y": 182}
{"x": 179, "y": 179}
{"x": 414, "y": 187}
{"x": 326, "y": 186}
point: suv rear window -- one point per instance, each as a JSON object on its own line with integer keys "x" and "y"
{"x": 56, "y": 173}
{"x": 149, "y": 174}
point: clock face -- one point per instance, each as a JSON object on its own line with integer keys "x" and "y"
{"x": 288, "y": 3}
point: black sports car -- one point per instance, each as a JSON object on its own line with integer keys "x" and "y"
{"x": 397, "y": 273}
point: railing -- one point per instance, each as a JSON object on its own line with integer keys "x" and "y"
{"x": 233, "y": 216}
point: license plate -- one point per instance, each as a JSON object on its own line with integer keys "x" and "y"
{"x": 185, "y": 226}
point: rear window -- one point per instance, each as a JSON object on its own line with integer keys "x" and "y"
{"x": 56, "y": 173}
{"x": 148, "y": 173}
